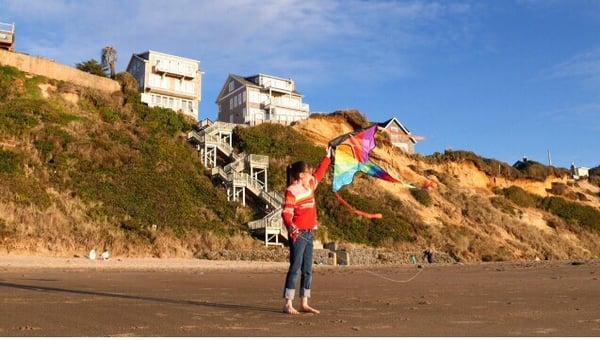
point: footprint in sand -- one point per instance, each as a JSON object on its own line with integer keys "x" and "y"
{"x": 338, "y": 321}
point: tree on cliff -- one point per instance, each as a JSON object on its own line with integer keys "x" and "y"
{"x": 109, "y": 59}
{"x": 91, "y": 66}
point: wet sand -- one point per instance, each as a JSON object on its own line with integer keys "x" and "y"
{"x": 217, "y": 299}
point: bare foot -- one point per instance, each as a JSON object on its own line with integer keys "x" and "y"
{"x": 288, "y": 309}
{"x": 308, "y": 309}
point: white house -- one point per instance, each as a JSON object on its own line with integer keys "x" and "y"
{"x": 260, "y": 98}
{"x": 168, "y": 81}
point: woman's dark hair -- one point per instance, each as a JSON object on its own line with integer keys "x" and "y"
{"x": 294, "y": 170}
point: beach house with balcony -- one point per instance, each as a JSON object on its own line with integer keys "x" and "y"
{"x": 168, "y": 81}
{"x": 260, "y": 98}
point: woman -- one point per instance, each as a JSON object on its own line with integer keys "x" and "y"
{"x": 300, "y": 218}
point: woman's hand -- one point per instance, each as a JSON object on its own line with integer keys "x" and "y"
{"x": 293, "y": 233}
{"x": 329, "y": 151}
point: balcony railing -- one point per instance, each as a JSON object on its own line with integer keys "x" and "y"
{"x": 280, "y": 103}
{"x": 7, "y": 28}
{"x": 175, "y": 69}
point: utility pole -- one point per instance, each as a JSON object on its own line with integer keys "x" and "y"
{"x": 549, "y": 158}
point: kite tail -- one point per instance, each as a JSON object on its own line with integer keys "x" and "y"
{"x": 356, "y": 211}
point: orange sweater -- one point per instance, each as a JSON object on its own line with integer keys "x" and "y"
{"x": 299, "y": 208}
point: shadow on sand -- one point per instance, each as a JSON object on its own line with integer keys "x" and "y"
{"x": 140, "y": 298}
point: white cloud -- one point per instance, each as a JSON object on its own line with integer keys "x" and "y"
{"x": 581, "y": 116}
{"x": 585, "y": 65}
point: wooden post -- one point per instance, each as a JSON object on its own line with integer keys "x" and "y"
{"x": 215, "y": 157}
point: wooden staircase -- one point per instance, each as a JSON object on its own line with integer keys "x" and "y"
{"x": 216, "y": 137}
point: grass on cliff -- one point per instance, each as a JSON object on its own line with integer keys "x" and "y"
{"x": 574, "y": 214}
{"x": 130, "y": 162}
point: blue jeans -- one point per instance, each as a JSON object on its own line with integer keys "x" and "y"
{"x": 301, "y": 258}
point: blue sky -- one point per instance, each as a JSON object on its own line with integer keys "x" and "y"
{"x": 501, "y": 78}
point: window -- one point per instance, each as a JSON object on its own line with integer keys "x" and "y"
{"x": 231, "y": 86}
{"x": 170, "y": 102}
{"x": 230, "y": 103}
{"x": 190, "y": 107}
{"x": 243, "y": 97}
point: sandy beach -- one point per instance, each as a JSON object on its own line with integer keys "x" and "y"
{"x": 186, "y": 297}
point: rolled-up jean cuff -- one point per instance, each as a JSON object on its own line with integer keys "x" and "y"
{"x": 305, "y": 293}
{"x": 289, "y": 293}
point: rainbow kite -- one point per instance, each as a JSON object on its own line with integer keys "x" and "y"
{"x": 351, "y": 156}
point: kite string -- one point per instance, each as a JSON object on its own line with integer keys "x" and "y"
{"x": 379, "y": 275}
{"x": 392, "y": 280}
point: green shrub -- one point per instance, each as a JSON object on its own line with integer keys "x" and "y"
{"x": 45, "y": 147}
{"x": 91, "y": 66}
{"x": 356, "y": 119}
{"x": 110, "y": 116}
{"x": 520, "y": 197}
{"x": 399, "y": 223}
{"x": 503, "y": 204}
{"x": 422, "y": 196}
{"x": 582, "y": 215}
{"x": 159, "y": 119}
{"x": 51, "y": 138}
{"x": 576, "y": 214}
{"x": 9, "y": 162}
{"x": 558, "y": 189}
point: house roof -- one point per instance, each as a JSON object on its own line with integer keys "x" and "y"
{"x": 243, "y": 80}
{"x": 388, "y": 122}
{"x": 145, "y": 55}
{"x": 246, "y": 80}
